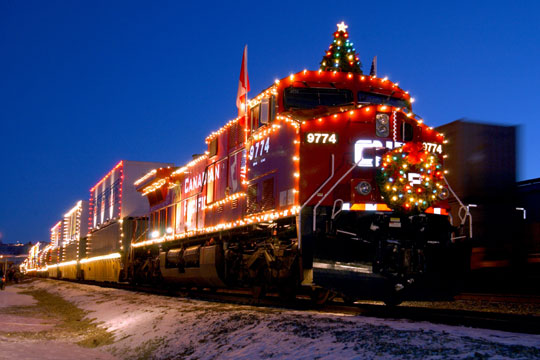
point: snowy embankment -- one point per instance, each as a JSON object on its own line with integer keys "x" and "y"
{"x": 151, "y": 326}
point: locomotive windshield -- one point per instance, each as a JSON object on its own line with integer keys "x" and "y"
{"x": 309, "y": 98}
{"x": 371, "y": 98}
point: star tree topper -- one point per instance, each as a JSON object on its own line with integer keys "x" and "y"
{"x": 341, "y": 55}
{"x": 342, "y": 27}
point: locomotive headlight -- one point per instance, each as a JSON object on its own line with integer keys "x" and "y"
{"x": 382, "y": 125}
{"x": 363, "y": 188}
{"x": 443, "y": 195}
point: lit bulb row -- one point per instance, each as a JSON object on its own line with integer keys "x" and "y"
{"x": 154, "y": 186}
{"x": 145, "y": 177}
{"x": 253, "y": 102}
{"x": 75, "y": 208}
{"x": 160, "y": 182}
{"x": 349, "y": 76}
{"x": 211, "y": 137}
{"x": 267, "y": 131}
{"x": 190, "y": 164}
{"x": 106, "y": 176}
{"x": 226, "y": 200}
{"x": 56, "y": 226}
{"x": 267, "y": 93}
{"x": 101, "y": 257}
{"x": 266, "y": 216}
{"x": 197, "y": 160}
{"x": 368, "y": 108}
{"x": 74, "y": 262}
{"x": 289, "y": 120}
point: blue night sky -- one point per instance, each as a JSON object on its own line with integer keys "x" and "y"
{"x": 86, "y": 84}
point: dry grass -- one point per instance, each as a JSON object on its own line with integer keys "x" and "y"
{"x": 70, "y": 321}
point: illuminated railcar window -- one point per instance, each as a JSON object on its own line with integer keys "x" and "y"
{"x": 213, "y": 147}
{"x": 309, "y": 98}
{"x": 220, "y": 180}
{"x": 154, "y": 221}
{"x": 252, "y": 204}
{"x": 235, "y": 135}
{"x": 162, "y": 221}
{"x": 169, "y": 224}
{"x": 264, "y": 114}
{"x": 255, "y": 113}
{"x": 267, "y": 201}
{"x": 273, "y": 108}
{"x": 371, "y": 98}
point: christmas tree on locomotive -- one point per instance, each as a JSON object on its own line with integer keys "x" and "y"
{"x": 328, "y": 182}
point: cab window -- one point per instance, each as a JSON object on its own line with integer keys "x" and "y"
{"x": 310, "y": 98}
{"x": 407, "y": 132}
{"x": 379, "y": 99}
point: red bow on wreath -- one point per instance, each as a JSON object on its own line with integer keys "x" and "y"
{"x": 415, "y": 152}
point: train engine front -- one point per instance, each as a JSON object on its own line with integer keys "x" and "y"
{"x": 373, "y": 201}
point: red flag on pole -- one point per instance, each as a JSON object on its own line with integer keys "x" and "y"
{"x": 243, "y": 86}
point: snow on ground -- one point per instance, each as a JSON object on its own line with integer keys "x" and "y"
{"x": 151, "y": 326}
{"x": 26, "y": 346}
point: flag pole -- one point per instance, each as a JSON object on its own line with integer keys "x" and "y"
{"x": 245, "y": 84}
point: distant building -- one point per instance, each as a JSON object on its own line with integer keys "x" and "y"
{"x": 13, "y": 253}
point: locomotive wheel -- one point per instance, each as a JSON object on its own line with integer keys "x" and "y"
{"x": 393, "y": 300}
{"x": 320, "y": 296}
{"x": 288, "y": 287}
{"x": 258, "y": 291}
{"x": 348, "y": 300}
{"x": 287, "y": 292}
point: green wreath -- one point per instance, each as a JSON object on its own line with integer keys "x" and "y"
{"x": 410, "y": 179}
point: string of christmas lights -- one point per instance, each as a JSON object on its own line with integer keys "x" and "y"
{"x": 410, "y": 178}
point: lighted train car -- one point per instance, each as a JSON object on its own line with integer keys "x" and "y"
{"x": 75, "y": 228}
{"x": 59, "y": 258}
{"x": 51, "y": 254}
{"x": 117, "y": 217}
{"x": 93, "y": 240}
{"x": 330, "y": 182}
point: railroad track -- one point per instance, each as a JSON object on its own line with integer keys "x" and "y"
{"x": 501, "y": 298}
{"x": 476, "y": 319}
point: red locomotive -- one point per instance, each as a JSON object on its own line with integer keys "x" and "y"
{"x": 301, "y": 191}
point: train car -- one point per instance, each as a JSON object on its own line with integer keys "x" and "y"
{"x": 31, "y": 264}
{"x": 330, "y": 182}
{"x": 92, "y": 241}
{"x": 75, "y": 227}
{"x": 117, "y": 217}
